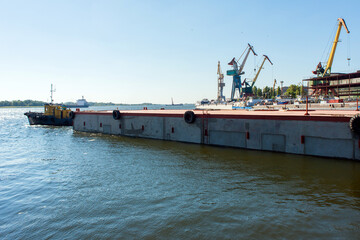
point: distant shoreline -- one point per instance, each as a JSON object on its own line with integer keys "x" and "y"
{"x": 34, "y": 103}
{"x": 95, "y": 105}
{"x": 21, "y": 106}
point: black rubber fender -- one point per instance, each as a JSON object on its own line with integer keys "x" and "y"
{"x": 189, "y": 117}
{"x": 116, "y": 114}
{"x": 355, "y": 124}
{"x": 71, "y": 115}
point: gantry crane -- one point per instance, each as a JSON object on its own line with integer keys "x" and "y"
{"x": 248, "y": 88}
{"x": 320, "y": 71}
{"x": 221, "y": 84}
{"x": 236, "y": 72}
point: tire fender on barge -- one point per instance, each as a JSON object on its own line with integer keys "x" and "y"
{"x": 355, "y": 124}
{"x": 116, "y": 114}
{"x": 71, "y": 115}
{"x": 189, "y": 117}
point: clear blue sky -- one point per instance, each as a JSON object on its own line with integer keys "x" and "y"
{"x": 149, "y": 51}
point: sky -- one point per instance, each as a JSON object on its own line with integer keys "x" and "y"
{"x": 152, "y": 51}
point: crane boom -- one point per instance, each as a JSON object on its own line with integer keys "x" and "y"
{"x": 262, "y": 64}
{"x": 332, "y": 53}
{"x": 245, "y": 58}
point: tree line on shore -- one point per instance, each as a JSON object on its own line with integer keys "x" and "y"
{"x": 19, "y": 103}
{"x": 268, "y": 92}
{"x": 34, "y": 103}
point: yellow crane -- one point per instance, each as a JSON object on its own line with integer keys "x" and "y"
{"x": 320, "y": 71}
{"x": 262, "y": 64}
{"x": 247, "y": 90}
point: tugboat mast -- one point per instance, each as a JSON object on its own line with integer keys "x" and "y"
{"x": 51, "y": 96}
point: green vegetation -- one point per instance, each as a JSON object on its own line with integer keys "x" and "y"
{"x": 18, "y": 103}
{"x": 294, "y": 90}
{"x": 268, "y": 92}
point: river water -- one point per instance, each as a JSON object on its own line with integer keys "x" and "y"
{"x": 59, "y": 184}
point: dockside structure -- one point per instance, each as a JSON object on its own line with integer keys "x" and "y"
{"x": 337, "y": 85}
{"x": 322, "y": 133}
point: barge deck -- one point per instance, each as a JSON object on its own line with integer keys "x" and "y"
{"x": 326, "y": 133}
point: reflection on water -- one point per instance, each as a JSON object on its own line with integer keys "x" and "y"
{"x": 56, "y": 183}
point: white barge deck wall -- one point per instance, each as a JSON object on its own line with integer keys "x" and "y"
{"x": 323, "y": 133}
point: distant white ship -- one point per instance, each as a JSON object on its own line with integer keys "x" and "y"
{"x": 80, "y": 103}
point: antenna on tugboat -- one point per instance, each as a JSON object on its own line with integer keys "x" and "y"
{"x": 52, "y": 91}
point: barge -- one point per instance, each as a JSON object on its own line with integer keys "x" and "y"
{"x": 323, "y": 133}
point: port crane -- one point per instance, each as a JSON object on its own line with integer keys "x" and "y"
{"x": 237, "y": 71}
{"x": 221, "y": 84}
{"x": 320, "y": 71}
{"x": 247, "y": 90}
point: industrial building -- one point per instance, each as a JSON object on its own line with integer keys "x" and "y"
{"x": 336, "y": 85}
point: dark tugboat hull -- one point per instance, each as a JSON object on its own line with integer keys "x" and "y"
{"x": 41, "y": 119}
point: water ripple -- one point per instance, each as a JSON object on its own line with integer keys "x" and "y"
{"x": 60, "y": 184}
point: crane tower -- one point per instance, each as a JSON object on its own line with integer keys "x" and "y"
{"x": 320, "y": 71}
{"x": 221, "y": 84}
{"x": 237, "y": 71}
{"x": 319, "y": 84}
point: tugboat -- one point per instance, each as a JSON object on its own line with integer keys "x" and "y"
{"x": 54, "y": 114}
